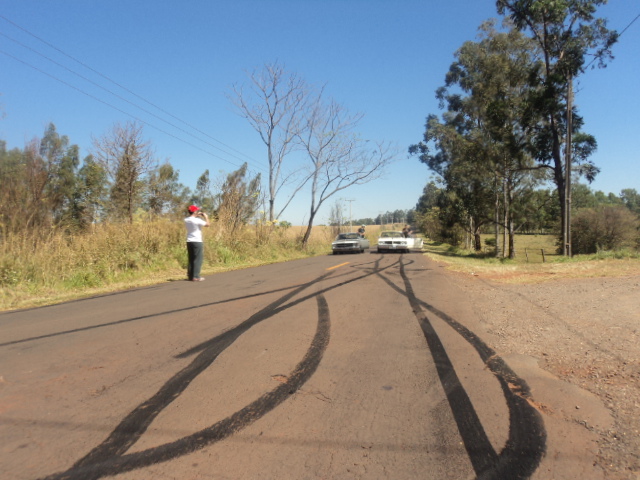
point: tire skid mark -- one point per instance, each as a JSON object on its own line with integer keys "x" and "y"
{"x": 143, "y": 317}
{"x": 104, "y": 463}
{"x": 136, "y": 423}
{"x": 526, "y": 443}
{"x": 109, "y": 457}
{"x": 281, "y": 308}
{"x": 155, "y": 315}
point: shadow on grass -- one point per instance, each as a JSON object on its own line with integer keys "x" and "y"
{"x": 524, "y": 254}
{"x": 446, "y": 250}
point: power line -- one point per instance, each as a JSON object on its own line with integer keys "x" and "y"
{"x": 618, "y": 37}
{"x": 122, "y": 98}
{"x": 120, "y": 85}
{"x": 115, "y": 108}
{"x": 631, "y": 23}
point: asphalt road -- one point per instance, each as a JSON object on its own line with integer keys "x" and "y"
{"x": 336, "y": 367}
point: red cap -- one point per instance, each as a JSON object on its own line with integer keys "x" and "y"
{"x": 193, "y": 208}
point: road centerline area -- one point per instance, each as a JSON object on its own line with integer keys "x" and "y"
{"x": 338, "y": 266}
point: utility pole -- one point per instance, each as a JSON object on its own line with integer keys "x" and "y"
{"x": 350, "y": 200}
{"x": 567, "y": 184}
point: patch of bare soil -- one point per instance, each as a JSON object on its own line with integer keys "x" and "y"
{"x": 585, "y": 332}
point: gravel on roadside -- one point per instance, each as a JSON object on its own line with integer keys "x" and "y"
{"x": 583, "y": 331}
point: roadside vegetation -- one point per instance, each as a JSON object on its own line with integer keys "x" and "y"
{"x": 508, "y": 152}
{"x": 72, "y": 227}
{"x": 39, "y": 269}
{"x": 530, "y": 265}
{"x": 509, "y": 147}
{"x": 47, "y": 267}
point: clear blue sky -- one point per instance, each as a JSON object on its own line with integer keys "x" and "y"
{"x": 383, "y": 58}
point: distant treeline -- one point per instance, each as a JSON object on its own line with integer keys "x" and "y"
{"x": 599, "y": 221}
{"x": 46, "y": 185}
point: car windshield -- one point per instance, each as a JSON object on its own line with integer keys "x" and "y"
{"x": 347, "y": 236}
{"x": 390, "y": 234}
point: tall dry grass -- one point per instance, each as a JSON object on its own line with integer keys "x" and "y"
{"x": 47, "y": 266}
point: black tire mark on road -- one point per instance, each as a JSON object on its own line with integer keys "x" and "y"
{"x": 527, "y": 440}
{"x": 135, "y": 424}
{"x": 105, "y": 465}
{"x": 300, "y": 300}
{"x": 143, "y": 317}
{"x": 479, "y": 449}
{"x": 526, "y": 444}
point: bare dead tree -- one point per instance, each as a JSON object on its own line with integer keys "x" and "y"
{"x": 336, "y": 217}
{"x": 338, "y": 158}
{"x": 275, "y": 104}
{"x": 126, "y": 158}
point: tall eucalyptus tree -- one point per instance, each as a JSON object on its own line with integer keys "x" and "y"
{"x": 61, "y": 160}
{"x": 567, "y": 33}
{"x": 479, "y": 147}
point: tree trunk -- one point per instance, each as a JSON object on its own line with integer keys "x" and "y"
{"x": 307, "y": 233}
{"x": 271, "y": 209}
{"x": 559, "y": 179}
{"x": 512, "y": 249}
{"x": 478, "y": 240}
{"x": 505, "y": 220}
{"x": 496, "y": 221}
{"x": 272, "y": 182}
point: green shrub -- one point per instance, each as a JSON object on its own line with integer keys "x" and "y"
{"x": 603, "y": 228}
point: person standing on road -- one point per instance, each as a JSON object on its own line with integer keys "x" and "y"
{"x": 406, "y": 231}
{"x": 195, "y": 247}
{"x": 361, "y": 231}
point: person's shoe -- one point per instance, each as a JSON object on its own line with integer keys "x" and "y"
{"x": 199, "y": 279}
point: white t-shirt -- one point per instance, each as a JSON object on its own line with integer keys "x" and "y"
{"x": 194, "y": 228}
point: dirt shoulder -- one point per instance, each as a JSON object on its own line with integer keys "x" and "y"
{"x": 584, "y": 332}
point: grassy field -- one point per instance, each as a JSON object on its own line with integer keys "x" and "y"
{"x": 530, "y": 248}
{"x": 528, "y": 266}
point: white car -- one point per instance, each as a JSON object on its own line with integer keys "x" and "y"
{"x": 392, "y": 241}
{"x": 349, "y": 242}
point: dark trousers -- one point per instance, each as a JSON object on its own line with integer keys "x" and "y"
{"x": 195, "y": 251}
